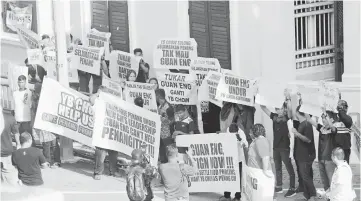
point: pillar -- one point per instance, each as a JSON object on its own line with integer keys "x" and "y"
{"x": 351, "y": 35}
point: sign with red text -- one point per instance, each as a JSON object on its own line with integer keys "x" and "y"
{"x": 30, "y": 39}
{"x": 175, "y": 53}
{"x": 123, "y": 127}
{"x": 236, "y": 90}
{"x": 87, "y": 59}
{"x": 133, "y": 90}
{"x": 179, "y": 88}
{"x": 19, "y": 16}
{"x": 216, "y": 156}
{"x": 65, "y": 112}
{"x": 121, "y": 63}
{"x": 99, "y": 39}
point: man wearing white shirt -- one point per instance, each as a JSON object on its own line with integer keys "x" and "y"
{"x": 23, "y": 102}
{"x": 341, "y": 184}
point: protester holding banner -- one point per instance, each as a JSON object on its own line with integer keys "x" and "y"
{"x": 344, "y": 140}
{"x": 143, "y": 72}
{"x": 281, "y": 147}
{"x": 36, "y": 72}
{"x": 175, "y": 175}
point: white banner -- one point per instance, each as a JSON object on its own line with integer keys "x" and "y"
{"x": 179, "y": 88}
{"x": 87, "y": 59}
{"x": 123, "y": 127}
{"x": 120, "y": 63}
{"x": 99, "y": 39}
{"x": 50, "y": 62}
{"x": 236, "y": 90}
{"x": 65, "y": 112}
{"x": 14, "y": 72}
{"x": 30, "y": 39}
{"x": 217, "y": 160}
{"x": 112, "y": 87}
{"x": 330, "y": 97}
{"x": 133, "y": 90}
{"x": 175, "y": 53}
{"x": 255, "y": 185}
{"x": 35, "y": 56}
{"x": 208, "y": 89}
{"x": 19, "y": 16}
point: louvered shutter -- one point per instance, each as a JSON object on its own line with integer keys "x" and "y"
{"x": 118, "y": 25}
{"x": 199, "y": 29}
{"x": 100, "y": 16}
{"x": 220, "y": 32}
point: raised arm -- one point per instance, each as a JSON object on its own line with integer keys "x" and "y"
{"x": 193, "y": 163}
{"x": 266, "y": 110}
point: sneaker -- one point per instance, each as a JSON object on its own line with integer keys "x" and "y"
{"x": 290, "y": 193}
{"x": 299, "y": 190}
{"x": 278, "y": 190}
{"x": 97, "y": 177}
{"x": 55, "y": 165}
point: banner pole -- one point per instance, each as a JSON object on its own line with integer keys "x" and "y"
{"x": 58, "y": 8}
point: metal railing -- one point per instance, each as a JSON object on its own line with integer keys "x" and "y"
{"x": 314, "y": 33}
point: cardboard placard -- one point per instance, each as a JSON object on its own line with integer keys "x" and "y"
{"x": 120, "y": 63}
{"x": 112, "y": 87}
{"x": 99, "y": 39}
{"x": 87, "y": 59}
{"x": 133, "y": 90}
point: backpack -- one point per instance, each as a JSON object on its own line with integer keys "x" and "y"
{"x": 136, "y": 188}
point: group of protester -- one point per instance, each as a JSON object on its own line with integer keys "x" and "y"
{"x": 292, "y": 133}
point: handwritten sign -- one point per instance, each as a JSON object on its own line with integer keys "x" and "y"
{"x": 133, "y": 90}
{"x": 123, "y": 127}
{"x": 236, "y": 90}
{"x": 121, "y": 63}
{"x": 99, "y": 39}
{"x": 87, "y": 59}
{"x": 175, "y": 53}
{"x": 19, "y": 16}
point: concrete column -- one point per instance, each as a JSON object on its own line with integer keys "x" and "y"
{"x": 183, "y": 19}
{"x": 351, "y": 35}
{"x": 62, "y": 28}
{"x": 44, "y": 17}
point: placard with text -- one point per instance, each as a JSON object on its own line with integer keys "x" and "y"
{"x": 19, "y": 16}
{"x": 87, "y": 59}
{"x": 99, "y": 39}
{"x": 30, "y": 39}
{"x": 121, "y": 63}
{"x": 112, "y": 87}
{"x": 133, "y": 90}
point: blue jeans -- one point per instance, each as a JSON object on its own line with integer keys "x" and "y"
{"x": 279, "y": 156}
{"x": 100, "y": 155}
{"x": 326, "y": 171}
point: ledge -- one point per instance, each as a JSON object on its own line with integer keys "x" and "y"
{"x": 11, "y": 39}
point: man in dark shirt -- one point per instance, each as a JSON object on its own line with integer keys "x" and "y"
{"x": 9, "y": 174}
{"x": 28, "y": 161}
{"x": 143, "y": 72}
{"x": 36, "y": 75}
{"x": 281, "y": 148}
{"x": 305, "y": 154}
{"x": 343, "y": 139}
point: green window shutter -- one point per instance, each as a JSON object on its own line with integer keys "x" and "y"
{"x": 99, "y": 15}
{"x": 199, "y": 26}
{"x": 118, "y": 25}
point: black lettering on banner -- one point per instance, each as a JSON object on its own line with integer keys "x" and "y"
{"x": 175, "y": 53}
{"x": 124, "y": 64}
{"x": 237, "y": 88}
{"x": 129, "y": 129}
{"x": 87, "y": 56}
{"x": 73, "y": 111}
{"x": 213, "y": 165}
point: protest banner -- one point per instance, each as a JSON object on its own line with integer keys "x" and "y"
{"x": 179, "y": 88}
{"x": 271, "y": 93}
{"x": 123, "y": 127}
{"x": 19, "y": 16}
{"x": 49, "y": 62}
{"x": 14, "y": 72}
{"x": 216, "y": 156}
{"x": 175, "y": 53}
{"x": 236, "y": 90}
{"x": 30, "y": 39}
{"x": 133, "y": 90}
{"x": 111, "y": 86}
{"x": 87, "y": 59}
{"x": 72, "y": 71}
{"x": 329, "y": 98}
{"x": 35, "y": 56}
{"x": 256, "y": 185}
{"x": 65, "y": 112}
{"x": 120, "y": 63}
{"x": 207, "y": 91}
{"x": 99, "y": 39}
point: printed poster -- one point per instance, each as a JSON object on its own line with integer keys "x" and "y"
{"x": 255, "y": 185}
{"x": 99, "y": 39}
{"x": 19, "y": 16}
{"x": 179, "y": 88}
{"x": 111, "y": 86}
{"x": 216, "y": 156}
{"x": 123, "y": 127}
{"x": 146, "y": 91}
{"x": 35, "y": 56}
{"x": 65, "y": 112}
{"x": 208, "y": 89}
{"x": 14, "y": 72}
{"x": 175, "y": 53}
{"x": 121, "y": 63}
{"x": 87, "y": 59}
{"x": 236, "y": 90}
{"x": 30, "y": 39}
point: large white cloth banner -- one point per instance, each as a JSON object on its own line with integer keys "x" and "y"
{"x": 216, "y": 156}
{"x": 236, "y": 90}
{"x": 123, "y": 127}
{"x": 111, "y": 86}
{"x": 175, "y": 53}
{"x": 19, "y": 16}
{"x": 30, "y": 39}
{"x": 179, "y": 88}
{"x": 14, "y": 72}
{"x": 99, "y": 39}
{"x": 255, "y": 185}
{"x": 87, "y": 59}
{"x": 65, "y": 112}
{"x": 133, "y": 90}
{"x": 120, "y": 63}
